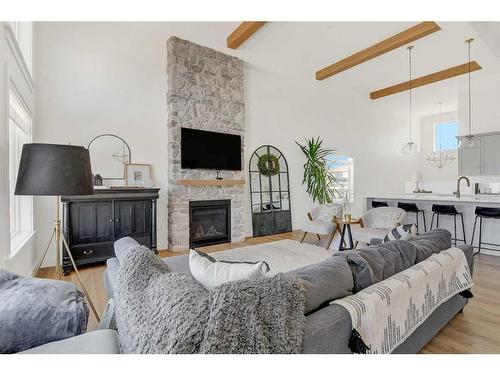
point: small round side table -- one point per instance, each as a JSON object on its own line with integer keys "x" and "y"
{"x": 346, "y": 226}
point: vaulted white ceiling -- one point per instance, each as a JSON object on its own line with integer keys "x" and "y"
{"x": 296, "y": 50}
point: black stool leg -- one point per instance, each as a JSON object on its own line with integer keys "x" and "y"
{"x": 455, "y": 226}
{"x": 425, "y": 225}
{"x": 463, "y": 227}
{"x": 437, "y": 220}
{"x": 416, "y": 215}
{"x": 432, "y": 220}
{"x": 480, "y": 233}
{"x": 473, "y": 233}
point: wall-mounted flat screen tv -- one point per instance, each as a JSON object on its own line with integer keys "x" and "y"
{"x": 202, "y": 149}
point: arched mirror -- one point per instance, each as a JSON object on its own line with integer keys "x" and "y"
{"x": 108, "y": 155}
{"x": 269, "y": 192}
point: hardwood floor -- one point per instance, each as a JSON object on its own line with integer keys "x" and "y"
{"x": 476, "y": 330}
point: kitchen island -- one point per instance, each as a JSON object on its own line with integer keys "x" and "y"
{"x": 466, "y": 204}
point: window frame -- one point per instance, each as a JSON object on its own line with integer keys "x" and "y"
{"x": 20, "y": 131}
{"x": 23, "y": 35}
{"x": 349, "y": 163}
{"x": 434, "y": 138}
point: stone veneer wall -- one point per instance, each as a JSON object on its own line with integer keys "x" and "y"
{"x": 205, "y": 90}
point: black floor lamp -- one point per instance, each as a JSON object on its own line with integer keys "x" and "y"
{"x": 55, "y": 170}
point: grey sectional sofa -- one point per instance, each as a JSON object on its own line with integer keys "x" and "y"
{"x": 328, "y": 327}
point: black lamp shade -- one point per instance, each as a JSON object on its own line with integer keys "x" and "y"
{"x": 51, "y": 170}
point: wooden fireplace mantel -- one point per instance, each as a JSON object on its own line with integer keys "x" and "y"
{"x": 210, "y": 182}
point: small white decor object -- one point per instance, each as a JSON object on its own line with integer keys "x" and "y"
{"x": 387, "y": 220}
{"x": 417, "y": 177}
{"x": 346, "y": 203}
{"x": 211, "y": 273}
{"x": 138, "y": 175}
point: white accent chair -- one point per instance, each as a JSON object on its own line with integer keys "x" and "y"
{"x": 372, "y": 225}
{"x": 317, "y": 223}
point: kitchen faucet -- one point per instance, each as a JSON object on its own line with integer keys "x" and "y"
{"x": 457, "y": 193}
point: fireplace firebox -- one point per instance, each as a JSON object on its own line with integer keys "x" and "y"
{"x": 209, "y": 222}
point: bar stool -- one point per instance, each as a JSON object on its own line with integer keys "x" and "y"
{"x": 484, "y": 213}
{"x": 448, "y": 210}
{"x": 412, "y": 207}
{"x": 376, "y": 204}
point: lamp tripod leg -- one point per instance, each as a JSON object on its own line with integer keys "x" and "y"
{"x": 65, "y": 243}
{"x": 45, "y": 252}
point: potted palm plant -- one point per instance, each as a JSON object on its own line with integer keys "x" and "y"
{"x": 318, "y": 177}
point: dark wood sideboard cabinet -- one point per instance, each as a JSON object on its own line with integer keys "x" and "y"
{"x": 91, "y": 223}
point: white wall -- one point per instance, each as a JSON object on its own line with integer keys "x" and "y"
{"x": 431, "y": 173}
{"x": 279, "y": 112}
{"x": 103, "y": 78}
{"x": 110, "y": 77}
{"x": 12, "y": 76}
{"x": 485, "y": 97}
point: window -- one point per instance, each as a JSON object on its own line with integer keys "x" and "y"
{"x": 342, "y": 168}
{"x": 445, "y": 136}
{"x": 21, "y": 207}
{"x": 23, "y": 32}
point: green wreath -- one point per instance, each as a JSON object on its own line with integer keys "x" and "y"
{"x": 268, "y": 165}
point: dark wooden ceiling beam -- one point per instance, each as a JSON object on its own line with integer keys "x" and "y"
{"x": 426, "y": 80}
{"x": 407, "y": 36}
{"x": 243, "y": 32}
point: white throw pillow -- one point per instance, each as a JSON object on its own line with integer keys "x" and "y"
{"x": 402, "y": 232}
{"x": 387, "y": 220}
{"x": 211, "y": 273}
{"x": 326, "y": 214}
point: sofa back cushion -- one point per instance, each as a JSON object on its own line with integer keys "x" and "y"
{"x": 430, "y": 243}
{"x": 360, "y": 269}
{"x": 325, "y": 281}
{"x": 123, "y": 246}
{"x": 388, "y": 258}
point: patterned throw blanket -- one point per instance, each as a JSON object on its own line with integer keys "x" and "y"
{"x": 158, "y": 311}
{"x": 383, "y": 315}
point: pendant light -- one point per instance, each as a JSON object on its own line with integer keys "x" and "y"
{"x": 468, "y": 140}
{"x": 440, "y": 159}
{"x": 410, "y": 147}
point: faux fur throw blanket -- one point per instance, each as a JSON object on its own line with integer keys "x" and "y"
{"x": 383, "y": 315}
{"x": 162, "y": 312}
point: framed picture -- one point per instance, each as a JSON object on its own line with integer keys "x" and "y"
{"x": 138, "y": 175}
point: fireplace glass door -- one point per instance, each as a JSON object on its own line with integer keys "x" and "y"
{"x": 209, "y": 222}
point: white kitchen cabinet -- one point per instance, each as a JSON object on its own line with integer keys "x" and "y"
{"x": 491, "y": 154}
{"x": 469, "y": 160}
{"x": 483, "y": 158}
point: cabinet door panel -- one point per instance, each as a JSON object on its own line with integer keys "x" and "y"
{"x": 132, "y": 218}
{"x": 491, "y": 155}
{"x": 469, "y": 162}
{"x": 91, "y": 222}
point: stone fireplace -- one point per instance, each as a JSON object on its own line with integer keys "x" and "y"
{"x": 205, "y": 90}
{"x": 209, "y": 222}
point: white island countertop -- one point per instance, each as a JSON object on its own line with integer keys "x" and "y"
{"x": 491, "y": 199}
